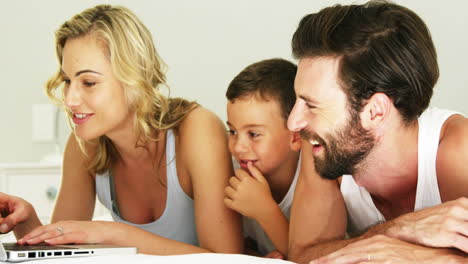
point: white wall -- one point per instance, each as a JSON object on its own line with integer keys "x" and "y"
{"x": 204, "y": 42}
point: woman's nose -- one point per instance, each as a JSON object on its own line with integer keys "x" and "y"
{"x": 72, "y": 97}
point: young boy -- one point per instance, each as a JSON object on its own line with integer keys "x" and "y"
{"x": 260, "y": 99}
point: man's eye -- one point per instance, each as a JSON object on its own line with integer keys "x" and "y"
{"x": 309, "y": 106}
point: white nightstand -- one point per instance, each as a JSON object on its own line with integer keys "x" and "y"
{"x": 37, "y": 183}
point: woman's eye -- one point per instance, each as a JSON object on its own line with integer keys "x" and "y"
{"x": 231, "y": 132}
{"x": 66, "y": 81}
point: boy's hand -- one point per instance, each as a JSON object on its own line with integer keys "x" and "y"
{"x": 249, "y": 195}
{"x": 275, "y": 254}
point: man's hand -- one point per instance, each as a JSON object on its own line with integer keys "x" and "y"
{"x": 445, "y": 225}
{"x": 249, "y": 195}
{"x": 383, "y": 249}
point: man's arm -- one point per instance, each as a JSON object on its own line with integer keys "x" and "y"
{"x": 322, "y": 248}
{"x": 318, "y": 212}
{"x": 445, "y": 225}
{"x": 383, "y": 249}
{"x": 452, "y": 159}
{"x": 423, "y": 230}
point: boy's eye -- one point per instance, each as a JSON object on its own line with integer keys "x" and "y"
{"x": 253, "y": 134}
{"x": 231, "y": 132}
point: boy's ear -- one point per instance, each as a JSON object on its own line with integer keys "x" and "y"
{"x": 296, "y": 141}
{"x": 376, "y": 111}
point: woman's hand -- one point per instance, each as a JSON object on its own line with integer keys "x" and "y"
{"x": 66, "y": 232}
{"x": 16, "y": 212}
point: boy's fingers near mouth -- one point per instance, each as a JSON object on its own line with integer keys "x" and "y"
{"x": 241, "y": 174}
{"x": 255, "y": 172}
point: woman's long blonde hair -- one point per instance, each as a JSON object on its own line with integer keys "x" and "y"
{"x": 137, "y": 66}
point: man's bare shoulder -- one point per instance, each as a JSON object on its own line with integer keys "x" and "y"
{"x": 452, "y": 158}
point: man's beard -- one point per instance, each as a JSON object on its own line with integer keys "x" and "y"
{"x": 344, "y": 151}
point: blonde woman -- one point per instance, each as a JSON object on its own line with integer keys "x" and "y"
{"x": 159, "y": 165}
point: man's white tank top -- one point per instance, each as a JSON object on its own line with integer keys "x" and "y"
{"x": 362, "y": 212}
{"x": 177, "y": 221}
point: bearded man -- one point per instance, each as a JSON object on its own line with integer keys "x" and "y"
{"x": 365, "y": 78}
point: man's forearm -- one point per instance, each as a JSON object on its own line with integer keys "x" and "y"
{"x": 305, "y": 254}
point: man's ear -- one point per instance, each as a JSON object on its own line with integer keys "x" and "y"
{"x": 376, "y": 111}
{"x": 296, "y": 141}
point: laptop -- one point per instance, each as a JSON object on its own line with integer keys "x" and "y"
{"x": 12, "y": 252}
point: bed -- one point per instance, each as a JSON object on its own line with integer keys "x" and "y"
{"x": 143, "y": 258}
{"x": 178, "y": 259}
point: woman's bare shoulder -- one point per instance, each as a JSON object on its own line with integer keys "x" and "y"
{"x": 200, "y": 122}
{"x": 200, "y": 132}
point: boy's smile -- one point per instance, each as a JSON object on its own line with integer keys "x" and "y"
{"x": 258, "y": 133}
{"x": 243, "y": 163}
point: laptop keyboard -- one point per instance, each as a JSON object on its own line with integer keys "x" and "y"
{"x": 42, "y": 246}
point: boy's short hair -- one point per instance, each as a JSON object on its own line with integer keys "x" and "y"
{"x": 271, "y": 79}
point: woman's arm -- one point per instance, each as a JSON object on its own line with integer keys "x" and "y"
{"x": 76, "y": 197}
{"x": 205, "y": 153}
{"x": 77, "y": 194}
{"x": 75, "y": 200}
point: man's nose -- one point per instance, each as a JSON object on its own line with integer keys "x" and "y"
{"x": 296, "y": 120}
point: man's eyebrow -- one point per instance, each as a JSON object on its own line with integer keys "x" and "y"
{"x": 307, "y": 99}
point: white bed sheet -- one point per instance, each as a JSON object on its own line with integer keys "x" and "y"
{"x": 205, "y": 258}
{"x": 178, "y": 259}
